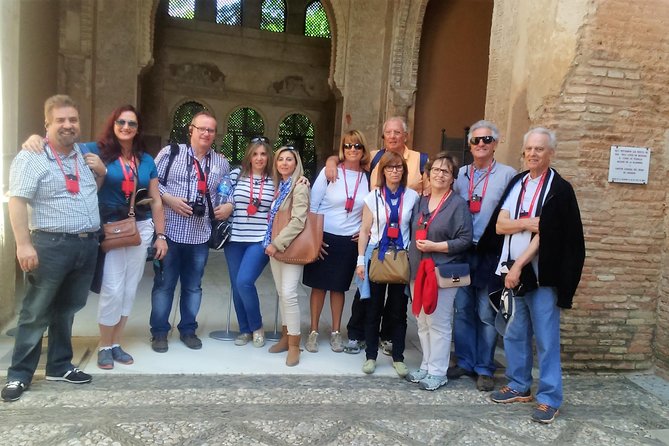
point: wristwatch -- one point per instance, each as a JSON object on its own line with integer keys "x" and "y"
{"x": 161, "y": 236}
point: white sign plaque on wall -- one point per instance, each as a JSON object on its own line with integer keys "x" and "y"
{"x": 629, "y": 165}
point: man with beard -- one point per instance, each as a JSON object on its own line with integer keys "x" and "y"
{"x": 56, "y": 245}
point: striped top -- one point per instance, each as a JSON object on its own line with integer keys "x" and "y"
{"x": 245, "y": 227}
{"x": 38, "y": 178}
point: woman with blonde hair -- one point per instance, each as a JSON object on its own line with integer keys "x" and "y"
{"x": 341, "y": 204}
{"x": 294, "y": 196}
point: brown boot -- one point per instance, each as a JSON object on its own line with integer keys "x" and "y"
{"x": 293, "y": 357}
{"x": 282, "y": 345}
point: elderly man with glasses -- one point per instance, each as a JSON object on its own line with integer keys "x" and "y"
{"x": 189, "y": 175}
{"x": 481, "y": 184}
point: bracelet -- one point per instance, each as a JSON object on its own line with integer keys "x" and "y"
{"x": 360, "y": 261}
{"x": 161, "y": 236}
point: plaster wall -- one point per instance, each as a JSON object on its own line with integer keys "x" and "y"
{"x": 452, "y": 70}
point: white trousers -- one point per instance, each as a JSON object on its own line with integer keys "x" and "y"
{"x": 435, "y": 333}
{"x": 123, "y": 270}
{"x": 286, "y": 279}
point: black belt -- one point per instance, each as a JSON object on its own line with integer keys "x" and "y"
{"x": 68, "y": 235}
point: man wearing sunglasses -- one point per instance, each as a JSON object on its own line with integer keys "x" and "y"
{"x": 481, "y": 184}
{"x": 194, "y": 173}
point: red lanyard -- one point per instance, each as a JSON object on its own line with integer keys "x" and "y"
{"x": 201, "y": 177}
{"x": 485, "y": 184}
{"x": 71, "y": 181}
{"x": 436, "y": 211}
{"x": 399, "y": 215}
{"x": 128, "y": 184}
{"x": 350, "y": 200}
{"x": 528, "y": 214}
{"x": 254, "y": 203}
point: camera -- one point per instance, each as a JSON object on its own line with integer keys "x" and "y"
{"x": 198, "y": 206}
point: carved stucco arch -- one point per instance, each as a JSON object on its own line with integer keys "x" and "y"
{"x": 408, "y": 27}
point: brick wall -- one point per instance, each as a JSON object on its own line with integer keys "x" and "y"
{"x": 617, "y": 92}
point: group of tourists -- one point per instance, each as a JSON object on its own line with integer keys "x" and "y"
{"x": 483, "y": 219}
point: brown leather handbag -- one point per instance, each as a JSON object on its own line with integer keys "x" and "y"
{"x": 122, "y": 233}
{"x": 304, "y": 248}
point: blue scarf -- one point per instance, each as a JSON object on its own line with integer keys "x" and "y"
{"x": 385, "y": 242}
{"x": 284, "y": 190}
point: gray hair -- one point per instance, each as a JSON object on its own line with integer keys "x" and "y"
{"x": 483, "y": 124}
{"x": 405, "y": 127}
{"x": 552, "y": 139}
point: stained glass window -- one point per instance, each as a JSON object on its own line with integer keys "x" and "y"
{"x": 243, "y": 124}
{"x": 273, "y": 16}
{"x": 297, "y": 130}
{"x": 182, "y": 119}
{"x": 229, "y": 12}
{"x": 316, "y": 21}
{"x": 183, "y": 9}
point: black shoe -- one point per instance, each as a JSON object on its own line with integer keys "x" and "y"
{"x": 485, "y": 383}
{"x": 74, "y": 376}
{"x": 13, "y": 390}
{"x": 191, "y": 341}
{"x": 159, "y": 343}
{"x": 457, "y": 372}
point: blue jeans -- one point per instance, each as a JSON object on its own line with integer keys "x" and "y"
{"x": 535, "y": 313}
{"x": 56, "y": 290}
{"x": 246, "y": 261}
{"x": 474, "y": 331}
{"x": 183, "y": 262}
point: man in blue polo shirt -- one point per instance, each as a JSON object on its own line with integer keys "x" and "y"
{"x": 481, "y": 184}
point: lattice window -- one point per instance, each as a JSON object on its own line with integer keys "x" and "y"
{"x": 229, "y": 12}
{"x": 182, "y": 119}
{"x": 273, "y": 17}
{"x": 316, "y": 21}
{"x": 183, "y": 9}
{"x": 297, "y": 130}
{"x": 243, "y": 124}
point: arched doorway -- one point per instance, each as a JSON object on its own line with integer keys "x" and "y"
{"x": 452, "y": 73}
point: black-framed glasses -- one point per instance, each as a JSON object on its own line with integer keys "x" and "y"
{"x": 438, "y": 170}
{"x": 123, "y": 122}
{"x": 293, "y": 148}
{"x": 355, "y": 146}
{"x": 475, "y": 140}
{"x": 256, "y": 139}
{"x": 395, "y": 168}
{"x": 204, "y": 129}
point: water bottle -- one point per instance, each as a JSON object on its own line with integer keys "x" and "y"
{"x": 223, "y": 190}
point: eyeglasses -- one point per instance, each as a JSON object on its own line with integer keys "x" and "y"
{"x": 123, "y": 122}
{"x": 354, "y": 146}
{"x": 204, "y": 129}
{"x": 475, "y": 140}
{"x": 437, "y": 171}
{"x": 392, "y": 133}
{"x": 396, "y": 168}
{"x": 260, "y": 139}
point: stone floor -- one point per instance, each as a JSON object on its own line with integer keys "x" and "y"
{"x": 323, "y": 410}
{"x": 228, "y": 395}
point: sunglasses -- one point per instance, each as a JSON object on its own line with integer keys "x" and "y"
{"x": 260, "y": 139}
{"x": 355, "y": 146}
{"x": 475, "y": 140}
{"x": 123, "y": 122}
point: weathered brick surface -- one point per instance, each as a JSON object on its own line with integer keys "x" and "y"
{"x": 617, "y": 93}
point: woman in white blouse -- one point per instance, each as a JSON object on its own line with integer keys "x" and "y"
{"x": 341, "y": 203}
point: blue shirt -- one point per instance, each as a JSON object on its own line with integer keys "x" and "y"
{"x": 500, "y": 176}
{"x": 112, "y": 196}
